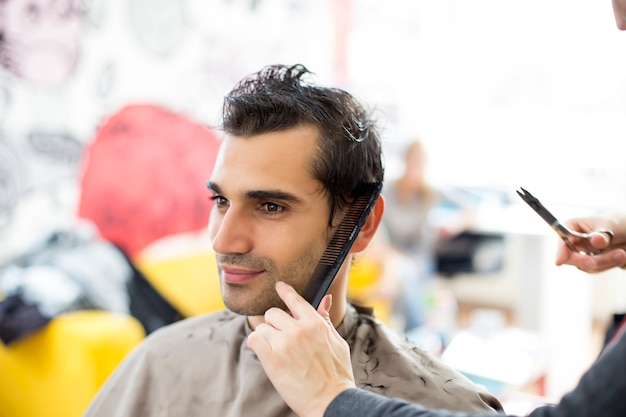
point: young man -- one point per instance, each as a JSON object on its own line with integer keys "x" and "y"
{"x": 292, "y": 159}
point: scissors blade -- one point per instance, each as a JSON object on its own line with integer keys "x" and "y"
{"x": 538, "y": 207}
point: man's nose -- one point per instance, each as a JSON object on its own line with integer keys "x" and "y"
{"x": 232, "y": 232}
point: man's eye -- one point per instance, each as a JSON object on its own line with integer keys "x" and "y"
{"x": 273, "y": 208}
{"x": 219, "y": 200}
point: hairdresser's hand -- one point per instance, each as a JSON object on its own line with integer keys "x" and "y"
{"x": 613, "y": 250}
{"x": 305, "y": 358}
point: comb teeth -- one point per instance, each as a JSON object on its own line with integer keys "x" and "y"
{"x": 346, "y": 230}
{"x": 340, "y": 244}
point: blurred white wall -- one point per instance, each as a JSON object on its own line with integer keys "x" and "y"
{"x": 504, "y": 93}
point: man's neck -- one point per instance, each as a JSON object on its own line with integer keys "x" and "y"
{"x": 337, "y": 313}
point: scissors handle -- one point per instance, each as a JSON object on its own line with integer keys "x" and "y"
{"x": 575, "y": 240}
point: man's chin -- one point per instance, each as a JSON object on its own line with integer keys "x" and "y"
{"x": 253, "y": 309}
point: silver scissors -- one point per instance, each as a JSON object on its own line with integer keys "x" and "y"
{"x": 563, "y": 232}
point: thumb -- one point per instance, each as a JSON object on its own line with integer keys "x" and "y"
{"x": 601, "y": 238}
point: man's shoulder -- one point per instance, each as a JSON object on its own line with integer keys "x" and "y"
{"x": 369, "y": 329}
{"x": 386, "y": 362}
{"x": 374, "y": 338}
{"x": 372, "y": 341}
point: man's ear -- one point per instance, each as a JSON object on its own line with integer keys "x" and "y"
{"x": 369, "y": 227}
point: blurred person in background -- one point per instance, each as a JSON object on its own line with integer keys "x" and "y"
{"x": 414, "y": 228}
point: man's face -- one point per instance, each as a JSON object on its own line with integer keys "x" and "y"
{"x": 270, "y": 218}
{"x": 619, "y": 8}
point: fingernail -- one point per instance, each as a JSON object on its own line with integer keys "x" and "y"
{"x": 329, "y": 303}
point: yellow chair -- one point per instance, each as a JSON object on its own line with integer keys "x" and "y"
{"x": 363, "y": 285}
{"x": 188, "y": 280}
{"x": 56, "y": 371}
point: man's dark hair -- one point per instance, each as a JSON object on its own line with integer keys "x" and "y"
{"x": 278, "y": 97}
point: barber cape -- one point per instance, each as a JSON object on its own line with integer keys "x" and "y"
{"x": 201, "y": 366}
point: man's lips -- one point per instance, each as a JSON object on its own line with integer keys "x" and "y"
{"x": 238, "y": 275}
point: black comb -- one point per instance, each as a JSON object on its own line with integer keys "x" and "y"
{"x": 340, "y": 244}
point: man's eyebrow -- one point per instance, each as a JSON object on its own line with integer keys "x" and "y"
{"x": 260, "y": 194}
{"x": 273, "y": 195}
{"x": 213, "y": 187}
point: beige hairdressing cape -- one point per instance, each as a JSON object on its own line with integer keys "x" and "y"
{"x": 202, "y": 367}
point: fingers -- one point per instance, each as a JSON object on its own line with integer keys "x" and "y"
{"x": 563, "y": 254}
{"x": 259, "y": 342}
{"x": 298, "y": 306}
{"x": 598, "y": 263}
{"x": 304, "y": 321}
{"x": 604, "y": 261}
{"x": 599, "y": 241}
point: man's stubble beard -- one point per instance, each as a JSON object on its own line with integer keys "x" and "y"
{"x": 254, "y": 299}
